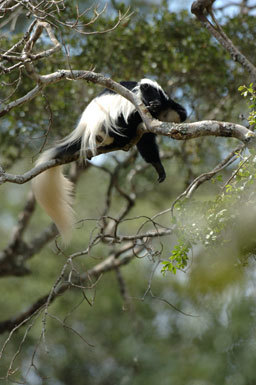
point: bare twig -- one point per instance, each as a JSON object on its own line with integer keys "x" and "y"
{"x": 208, "y": 175}
{"x": 236, "y": 171}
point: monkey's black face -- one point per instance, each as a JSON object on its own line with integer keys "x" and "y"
{"x": 161, "y": 106}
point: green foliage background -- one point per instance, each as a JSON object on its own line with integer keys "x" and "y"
{"x": 145, "y": 341}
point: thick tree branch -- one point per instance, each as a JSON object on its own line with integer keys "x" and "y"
{"x": 184, "y": 131}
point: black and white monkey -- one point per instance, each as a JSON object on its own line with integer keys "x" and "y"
{"x": 108, "y": 121}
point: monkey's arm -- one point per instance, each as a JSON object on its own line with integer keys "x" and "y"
{"x": 148, "y": 149}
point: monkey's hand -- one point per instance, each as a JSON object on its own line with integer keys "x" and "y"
{"x": 160, "y": 170}
{"x": 154, "y": 106}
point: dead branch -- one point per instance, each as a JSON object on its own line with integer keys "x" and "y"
{"x": 50, "y": 12}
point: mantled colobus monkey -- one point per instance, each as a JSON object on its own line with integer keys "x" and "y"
{"x": 108, "y": 121}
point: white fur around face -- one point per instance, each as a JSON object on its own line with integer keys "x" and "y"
{"x": 150, "y": 82}
{"x": 154, "y": 84}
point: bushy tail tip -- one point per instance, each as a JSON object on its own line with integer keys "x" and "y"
{"x": 53, "y": 191}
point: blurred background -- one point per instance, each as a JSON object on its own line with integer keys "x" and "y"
{"x": 195, "y": 327}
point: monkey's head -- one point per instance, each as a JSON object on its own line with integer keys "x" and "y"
{"x": 159, "y": 104}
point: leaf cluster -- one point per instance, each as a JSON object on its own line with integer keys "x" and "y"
{"x": 250, "y": 92}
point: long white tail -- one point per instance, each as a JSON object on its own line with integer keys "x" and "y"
{"x": 53, "y": 192}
